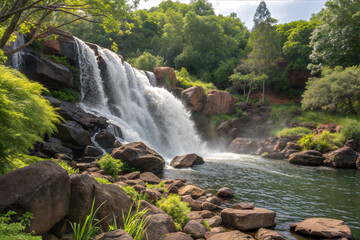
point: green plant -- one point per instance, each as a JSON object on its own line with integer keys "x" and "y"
{"x": 161, "y": 186}
{"x": 64, "y": 61}
{"x": 127, "y": 168}
{"x": 68, "y": 168}
{"x": 67, "y": 94}
{"x": 110, "y": 165}
{"x": 133, "y": 193}
{"x": 205, "y": 223}
{"x": 297, "y": 131}
{"x": 10, "y": 230}
{"x": 285, "y": 112}
{"x": 147, "y": 61}
{"x": 350, "y": 129}
{"x": 88, "y": 229}
{"x": 21, "y": 160}
{"x": 186, "y": 80}
{"x": 102, "y": 180}
{"x": 135, "y": 223}
{"x": 322, "y": 142}
{"x": 176, "y": 208}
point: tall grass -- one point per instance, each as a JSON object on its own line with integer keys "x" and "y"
{"x": 68, "y": 168}
{"x": 135, "y": 224}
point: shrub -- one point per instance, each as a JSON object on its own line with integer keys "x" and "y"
{"x": 322, "y": 142}
{"x": 110, "y": 165}
{"x": 25, "y": 116}
{"x": 11, "y": 231}
{"x": 133, "y": 193}
{"x": 19, "y": 161}
{"x": 187, "y": 81}
{"x": 68, "y": 168}
{"x": 67, "y": 94}
{"x": 147, "y": 61}
{"x": 284, "y": 112}
{"x": 161, "y": 186}
{"x": 350, "y": 129}
{"x": 297, "y": 131}
{"x": 102, "y": 180}
{"x": 176, "y": 208}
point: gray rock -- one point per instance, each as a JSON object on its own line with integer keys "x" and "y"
{"x": 105, "y": 139}
{"x": 150, "y": 178}
{"x": 195, "y": 229}
{"x": 159, "y": 225}
{"x": 73, "y": 135}
{"x": 186, "y": 161}
{"x": 54, "y": 146}
{"x": 307, "y": 158}
{"x": 341, "y": 158}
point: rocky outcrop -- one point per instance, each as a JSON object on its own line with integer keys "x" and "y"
{"x": 233, "y": 235}
{"x": 73, "y": 135}
{"x": 193, "y": 191}
{"x": 307, "y": 158}
{"x": 194, "y": 98}
{"x": 42, "y": 188}
{"x": 105, "y": 139}
{"x": 267, "y": 234}
{"x": 323, "y": 228}
{"x": 244, "y": 145}
{"x": 139, "y": 156}
{"x": 341, "y": 158}
{"x": 187, "y": 160}
{"x": 248, "y": 219}
{"x": 55, "y": 146}
{"x": 219, "y": 103}
{"x": 165, "y": 77}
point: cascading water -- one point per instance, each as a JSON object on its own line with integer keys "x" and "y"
{"x": 143, "y": 112}
{"x": 17, "y": 61}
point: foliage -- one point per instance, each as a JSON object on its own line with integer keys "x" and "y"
{"x": 350, "y": 129}
{"x": 322, "y": 142}
{"x": 17, "y": 161}
{"x": 215, "y": 120}
{"x": 135, "y": 223}
{"x": 337, "y": 90}
{"x": 206, "y": 225}
{"x": 110, "y": 165}
{"x": 24, "y": 115}
{"x": 64, "y": 61}
{"x": 127, "y": 168}
{"x": 66, "y": 94}
{"x": 88, "y": 229}
{"x": 287, "y": 132}
{"x": 102, "y": 180}
{"x": 68, "y": 168}
{"x": 177, "y": 209}
{"x": 147, "y": 61}
{"x": 284, "y": 112}
{"x": 262, "y": 13}
{"x": 187, "y": 81}
{"x": 133, "y": 193}
{"x": 161, "y": 186}
{"x": 10, "y": 230}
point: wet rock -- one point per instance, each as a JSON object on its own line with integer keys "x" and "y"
{"x": 92, "y": 151}
{"x": 275, "y": 155}
{"x": 225, "y": 192}
{"x": 194, "y": 98}
{"x": 214, "y": 200}
{"x": 323, "y": 228}
{"x": 248, "y": 219}
{"x": 195, "y": 229}
{"x": 307, "y": 158}
{"x": 176, "y": 236}
{"x": 159, "y": 225}
{"x": 194, "y": 204}
{"x": 187, "y": 160}
{"x": 118, "y": 234}
{"x": 341, "y": 158}
{"x": 266, "y": 234}
{"x": 165, "y": 77}
{"x": 280, "y": 145}
{"x": 219, "y": 103}
{"x": 358, "y": 163}
{"x": 233, "y": 235}
{"x": 150, "y": 178}
{"x": 244, "y": 205}
{"x": 193, "y": 191}
{"x": 55, "y": 146}
{"x": 105, "y": 139}
{"x": 73, "y": 135}
{"x": 244, "y": 145}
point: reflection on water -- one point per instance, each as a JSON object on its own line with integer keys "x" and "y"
{"x": 293, "y": 192}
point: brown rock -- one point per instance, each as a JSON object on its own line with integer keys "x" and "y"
{"x": 176, "y": 236}
{"x": 92, "y": 151}
{"x": 323, "y": 228}
{"x": 214, "y": 221}
{"x": 358, "y": 163}
{"x": 208, "y": 206}
{"x": 341, "y": 158}
{"x": 194, "y": 98}
{"x": 118, "y": 234}
{"x": 196, "y": 215}
{"x": 195, "y": 229}
{"x": 152, "y": 194}
{"x": 194, "y": 204}
{"x": 193, "y": 191}
{"x": 233, "y": 235}
{"x": 266, "y": 234}
{"x": 219, "y": 103}
{"x": 159, "y": 225}
{"x": 151, "y": 209}
{"x": 244, "y": 205}
{"x": 307, "y": 158}
{"x": 133, "y": 175}
{"x": 214, "y": 200}
{"x": 248, "y": 219}
{"x": 150, "y": 178}
{"x": 165, "y": 77}
{"x": 187, "y": 160}
{"x": 225, "y": 192}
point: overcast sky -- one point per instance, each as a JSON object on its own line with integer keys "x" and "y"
{"x": 282, "y": 10}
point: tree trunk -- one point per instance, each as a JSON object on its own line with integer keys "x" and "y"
{"x": 263, "y": 93}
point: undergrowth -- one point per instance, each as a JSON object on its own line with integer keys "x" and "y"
{"x": 186, "y": 81}
{"x": 322, "y": 142}
{"x": 110, "y": 165}
{"x": 69, "y": 169}
{"x": 287, "y": 132}
{"x": 15, "y": 230}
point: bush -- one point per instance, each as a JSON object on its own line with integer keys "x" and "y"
{"x": 102, "y": 180}
{"x": 25, "y": 116}
{"x": 147, "y": 61}
{"x": 68, "y": 168}
{"x": 287, "y": 132}
{"x": 284, "y": 112}
{"x": 350, "y": 129}
{"x": 176, "y": 208}
{"x": 161, "y": 186}
{"x": 20, "y": 160}
{"x": 67, "y": 94}
{"x": 322, "y": 142}
{"x": 110, "y": 165}
{"x": 187, "y": 81}
{"x": 133, "y": 193}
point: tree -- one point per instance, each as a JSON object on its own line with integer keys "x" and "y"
{"x": 250, "y": 81}
{"x": 262, "y": 14}
{"x": 147, "y": 62}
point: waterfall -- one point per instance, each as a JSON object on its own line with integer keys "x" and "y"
{"x": 125, "y": 96}
{"x": 152, "y": 78}
{"x": 17, "y": 60}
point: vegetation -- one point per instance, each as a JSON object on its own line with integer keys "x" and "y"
{"x": 134, "y": 194}
{"x": 176, "y": 208}
{"x": 350, "y": 129}
{"x": 160, "y": 186}
{"x": 15, "y": 230}
{"x": 110, "y": 165}
{"x": 135, "y": 224}
{"x": 147, "y": 61}
{"x": 187, "y": 81}
{"x": 284, "y": 112}
{"x": 66, "y": 94}
{"x": 322, "y": 142}
{"x": 24, "y": 115}
{"x": 287, "y": 132}
{"x": 102, "y": 180}
{"x": 68, "y": 168}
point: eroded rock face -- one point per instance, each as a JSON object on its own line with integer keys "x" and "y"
{"x": 233, "y": 235}
{"x": 323, "y": 228}
{"x": 187, "y": 160}
{"x": 42, "y": 188}
{"x": 194, "y": 98}
{"x": 307, "y": 158}
{"x": 219, "y": 103}
{"x": 73, "y": 135}
{"x": 248, "y": 219}
{"x": 138, "y": 155}
{"x": 341, "y": 158}
{"x": 267, "y": 234}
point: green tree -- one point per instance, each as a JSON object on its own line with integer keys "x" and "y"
{"x": 249, "y": 81}
{"x": 262, "y": 14}
{"x": 146, "y": 61}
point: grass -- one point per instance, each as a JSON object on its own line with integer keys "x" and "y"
{"x": 161, "y": 186}
{"x": 135, "y": 223}
{"x": 102, "y": 180}
{"x": 287, "y": 132}
{"x": 323, "y": 142}
{"x": 130, "y": 191}
{"x": 68, "y": 168}
{"x": 186, "y": 81}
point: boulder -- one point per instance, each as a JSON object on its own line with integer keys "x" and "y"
{"x": 219, "y": 103}
{"x": 165, "y": 77}
{"x": 307, "y": 158}
{"x": 159, "y": 225}
{"x": 225, "y": 192}
{"x": 223, "y": 129}
{"x": 118, "y": 234}
{"x": 275, "y": 155}
{"x": 133, "y": 175}
{"x": 176, "y": 236}
{"x": 323, "y": 228}
{"x": 105, "y": 139}
{"x": 196, "y": 215}
{"x": 352, "y": 144}
{"x": 214, "y": 221}
{"x": 194, "y": 204}
{"x": 193, "y": 98}
{"x": 193, "y": 191}
{"x": 244, "y": 145}
{"x": 42, "y": 188}
{"x": 195, "y": 229}
{"x": 151, "y": 209}
{"x": 139, "y": 156}
{"x": 92, "y": 151}
{"x": 248, "y": 219}
{"x": 208, "y": 206}
{"x": 187, "y": 160}
{"x": 150, "y": 178}
{"x": 73, "y": 135}
{"x": 214, "y": 200}
{"x": 244, "y": 205}
{"x": 152, "y": 194}
{"x": 233, "y": 235}
{"x": 266, "y": 234}
{"x": 54, "y": 146}
{"x": 344, "y": 157}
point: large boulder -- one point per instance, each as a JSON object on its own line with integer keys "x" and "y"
{"x": 267, "y": 234}
{"x": 140, "y": 156}
{"x": 159, "y": 225}
{"x": 85, "y": 189}
{"x": 341, "y": 158}
{"x": 194, "y": 98}
{"x": 248, "y": 219}
{"x": 323, "y": 228}
{"x": 195, "y": 229}
{"x": 193, "y": 191}
{"x": 225, "y": 192}
{"x": 233, "y": 235}
{"x": 105, "y": 139}
{"x": 307, "y": 158}
{"x": 118, "y": 234}
{"x": 165, "y": 77}
{"x": 42, "y": 188}
{"x": 219, "y": 103}
{"x": 73, "y": 135}
{"x": 244, "y": 145}
{"x": 55, "y": 146}
{"x": 187, "y": 160}
{"x": 194, "y": 204}
{"x": 150, "y": 178}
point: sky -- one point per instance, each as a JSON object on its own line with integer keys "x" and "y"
{"x": 282, "y": 10}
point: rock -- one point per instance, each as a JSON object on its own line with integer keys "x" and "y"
{"x": 151, "y": 209}
{"x": 358, "y": 163}
{"x": 266, "y": 234}
{"x": 133, "y": 175}
{"x": 176, "y": 236}
{"x": 225, "y": 192}
{"x": 194, "y": 204}
{"x": 223, "y": 129}
{"x": 54, "y": 146}
{"x": 138, "y": 155}
{"x": 135, "y": 182}
{"x": 165, "y": 77}
{"x": 214, "y": 221}
{"x": 193, "y": 191}
{"x": 352, "y": 144}
{"x": 344, "y": 157}
{"x": 323, "y": 228}
{"x": 244, "y": 145}
{"x": 42, "y": 188}
{"x": 187, "y": 160}
{"x": 214, "y": 200}
{"x": 214, "y": 231}
{"x": 248, "y": 219}
{"x": 292, "y": 146}
{"x": 176, "y": 91}
{"x": 118, "y": 234}
{"x": 159, "y": 225}
{"x": 92, "y": 151}
{"x": 244, "y": 205}
{"x": 280, "y": 146}
{"x": 105, "y": 139}
{"x": 152, "y": 194}
{"x": 194, "y": 98}
{"x": 233, "y": 235}
{"x": 275, "y": 155}
{"x": 307, "y": 158}
{"x": 139, "y": 188}
{"x": 289, "y": 152}
{"x": 150, "y": 178}
{"x": 84, "y": 189}
{"x": 73, "y": 135}
{"x": 208, "y": 206}
{"x": 195, "y": 229}
{"x": 195, "y": 215}
{"x": 219, "y": 103}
